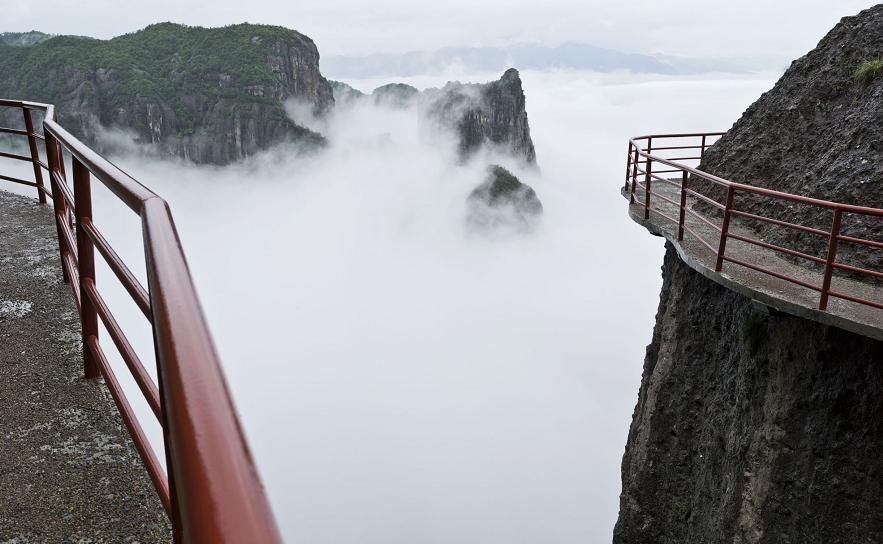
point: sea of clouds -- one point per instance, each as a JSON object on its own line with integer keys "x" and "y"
{"x": 400, "y": 378}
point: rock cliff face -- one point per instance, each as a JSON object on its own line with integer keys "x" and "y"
{"x": 207, "y": 95}
{"x": 818, "y": 132}
{"x": 753, "y": 427}
{"x": 484, "y": 114}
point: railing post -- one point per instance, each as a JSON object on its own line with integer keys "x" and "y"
{"x": 35, "y": 154}
{"x": 634, "y": 176}
{"x": 702, "y": 151}
{"x": 683, "y": 206}
{"x": 86, "y": 256}
{"x": 725, "y": 229}
{"x": 829, "y": 261}
{"x": 647, "y": 178}
{"x": 628, "y": 166}
{"x": 60, "y": 212}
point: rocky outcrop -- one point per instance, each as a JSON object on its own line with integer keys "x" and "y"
{"x": 491, "y": 114}
{"x": 752, "y": 426}
{"x": 206, "y": 95}
{"x": 502, "y": 201}
{"x": 818, "y": 132}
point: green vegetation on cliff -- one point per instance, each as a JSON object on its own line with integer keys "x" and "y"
{"x": 187, "y": 73}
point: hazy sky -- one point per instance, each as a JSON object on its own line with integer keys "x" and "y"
{"x": 679, "y": 27}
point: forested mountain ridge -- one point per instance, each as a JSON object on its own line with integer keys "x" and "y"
{"x": 207, "y": 95}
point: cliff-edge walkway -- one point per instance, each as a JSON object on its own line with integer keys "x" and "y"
{"x": 69, "y": 471}
{"x": 712, "y": 239}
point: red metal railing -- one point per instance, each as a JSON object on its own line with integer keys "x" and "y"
{"x": 212, "y": 492}
{"x": 645, "y": 167}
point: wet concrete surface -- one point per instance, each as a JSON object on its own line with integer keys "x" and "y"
{"x": 68, "y": 470}
{"x": 773, "y": 292}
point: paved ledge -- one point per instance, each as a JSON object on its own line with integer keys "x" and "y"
{"x": 68, "y": 470}
{"x": 778, "y": 294}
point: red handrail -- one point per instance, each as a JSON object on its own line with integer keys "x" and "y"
{"x": 212, "y": 492}
{"x": 641, "y": 161}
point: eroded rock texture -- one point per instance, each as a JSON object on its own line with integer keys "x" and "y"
{"x": 750, "y": 427}
{"x": 819, "y": 133}
{"x": 491, "y": 114}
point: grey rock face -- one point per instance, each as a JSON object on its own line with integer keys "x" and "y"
{"x": 502, "y": 201}
{"x": 751, "y": 428}
{"x": 205, "y": 95}
{"x": 484, "y": 114}
{"x": 818, "y": 133}
{"x": 758, "y": 428}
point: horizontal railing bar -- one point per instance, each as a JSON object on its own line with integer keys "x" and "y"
{"x": 661, "y": 214}
{"x": 15, "y": 156}
{"x": 850, "y": 268}
{"x": 670, "y": 201}
{"x": 849, "y": 208}
{"x": 18, "y": 180}
{"x": 700, "y": 239}
{"x": 17, "y": 131}
{"x": 209, "y": 461}
{"x": 145, "y": 451}
{"x": 68, "y": 236}
{"x": 43, "y": 164}
{"x": 705, "y": 199}
{"x": 850, "y": 239}
{"x": 779, "y": 222}
{"x": 120, "y": 183}
{"x": 64, "y": 188}
{"x": 685, "y": 135}
{"x": 71, "y": 270}
{"x": 672, "y": 148}
{"x": 119, "y": 268}
{"x": 857, "y": 300}
{"x": 771, "y": 273}
{"x": 703, "y": 219}
{"x": 142, "y": 378}
{"x": 667, "y": 171}
{"x": 780, "y": 249}
{"x": 681, "y": 158}
{"x": 666, "y": 180}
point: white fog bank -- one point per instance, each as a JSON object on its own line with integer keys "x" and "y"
{"x": 402, "y": 380}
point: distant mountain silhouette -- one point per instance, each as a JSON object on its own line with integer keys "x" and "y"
{"x": 525, "y": 57}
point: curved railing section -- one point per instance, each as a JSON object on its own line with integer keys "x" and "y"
{"x": 212, "y": 492}
{"x": 646, "y": 168}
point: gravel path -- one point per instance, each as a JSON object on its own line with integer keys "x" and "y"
{"x": 69, "y": 472}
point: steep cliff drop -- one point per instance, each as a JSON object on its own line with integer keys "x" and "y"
{"x": 753, "y": 426}
{"x": 492, "y": 114}
{"x": 209, "y": 95}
